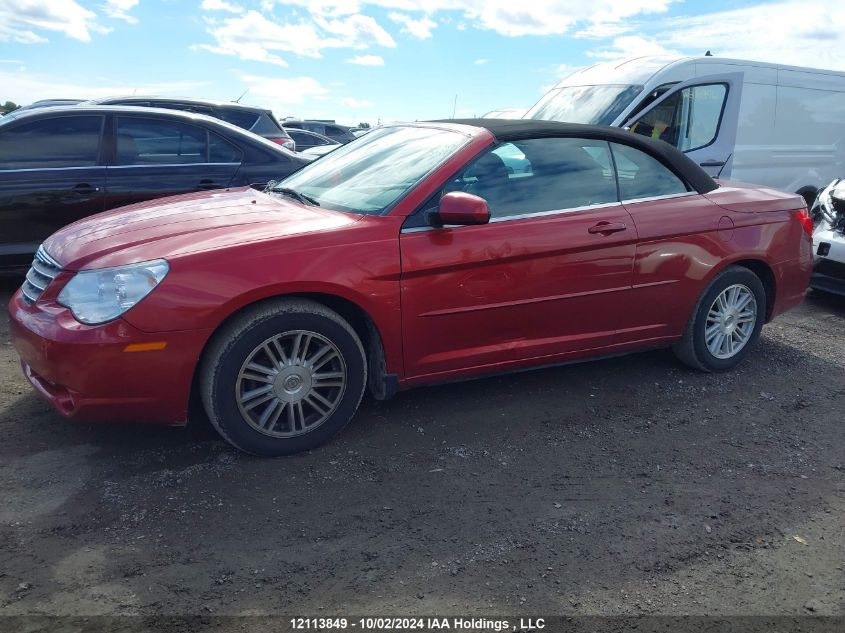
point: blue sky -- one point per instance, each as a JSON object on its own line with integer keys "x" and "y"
{"x": 370, "y": 60}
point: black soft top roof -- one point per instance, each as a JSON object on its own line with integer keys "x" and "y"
{"x": 518, "y": 129}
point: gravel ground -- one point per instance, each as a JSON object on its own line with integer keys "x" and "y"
{"x": 619, "y": 487}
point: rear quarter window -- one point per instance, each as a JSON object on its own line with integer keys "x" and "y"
{"x": 643, "y": 176}
{"x": 242, "y": 118}
{"x": 267, "y": 125}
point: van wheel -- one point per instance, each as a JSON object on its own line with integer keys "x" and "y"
{"x": 283, "y": 377}
{"x": 726, "y": 322}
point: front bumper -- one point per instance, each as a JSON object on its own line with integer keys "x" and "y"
{"x": 87, "y": 372}
{"x": 829, "y": 261}
{"x": 828, "y": 276}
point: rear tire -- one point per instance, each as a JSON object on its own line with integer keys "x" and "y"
{"x": 283, "y": 377}
{"x": 726, "y": 322}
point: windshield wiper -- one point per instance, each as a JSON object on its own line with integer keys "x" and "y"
{"x": 293, "y": 193}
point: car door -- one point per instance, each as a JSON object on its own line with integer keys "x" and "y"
{"x": 681, "y": 239}
{"x": 700, "y": 117}
{"x": 51, "y": 174}
{"x": 155, "y": 157}
{"x": 541, "y": 280}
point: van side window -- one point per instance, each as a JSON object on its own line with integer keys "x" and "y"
{"x": 643, "y": 176}
{"x": 540, "y": 175}
{"x": 688, "y": 119}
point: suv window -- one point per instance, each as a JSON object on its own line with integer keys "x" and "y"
{"x": 688, "y": 119}
{"x": 643, "y": 176}
{"x": 242, "y": 118}
{"x": 142, "y": 141}
{"x": 335, "y": 132}
{"x": 317, "y": 128}
{"x": 539, "y": 175}
{"x": 266, "y": 125}
{"x": 66, "y": 141}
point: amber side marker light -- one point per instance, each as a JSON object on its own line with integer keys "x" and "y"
{"x": 145, "y": 347}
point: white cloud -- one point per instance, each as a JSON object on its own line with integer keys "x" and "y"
{"x": 119, "y": 10}
{"x": 539, "y": 17}
{"x": 632, "y": 46}
{"x": 20, "y": 19}
{"x": 480, "y": 62}
{"x": 801, "y": 33}
{"x": 419, "y": 28}
{"x": 28, "y": 87}
{"x": 366, "y": 60}
{"x": 272, "y": 91}
{"x": 351, "y": 102}
{"x": 255, "y": 37}
{"x": 220, "y": 5}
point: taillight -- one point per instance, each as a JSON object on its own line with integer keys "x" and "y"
{"x": 806, "y": 221}
{"x": 284, "y": 142}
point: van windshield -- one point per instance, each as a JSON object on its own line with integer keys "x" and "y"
{"x": 593, "y": 105}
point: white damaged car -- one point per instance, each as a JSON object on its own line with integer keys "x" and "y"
{"x": 829, "y": 239}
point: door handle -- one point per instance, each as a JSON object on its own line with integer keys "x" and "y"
{"x": 84, "y": 188}
{"x": 713, "y": 163}
{"x": 606, "y": 228}
{"x": 205, "y": 183}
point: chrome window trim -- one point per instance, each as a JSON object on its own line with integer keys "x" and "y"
{"x": 172, "y": 165}
{"x": 52, "y": 168}
{"x": 666, "y": 197}
{"x": 540, "y": 214}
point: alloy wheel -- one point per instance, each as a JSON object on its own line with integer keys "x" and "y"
{"x": 730, "y": 321}
{"x": 291, "y": 384}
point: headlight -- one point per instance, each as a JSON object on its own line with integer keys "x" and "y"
{"x": 97, "y": 296}
{"x": 823, "y": 207}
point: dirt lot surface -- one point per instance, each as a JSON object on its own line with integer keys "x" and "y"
{"x": 622, "y": 486}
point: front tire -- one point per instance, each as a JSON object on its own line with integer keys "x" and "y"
{"x": 726, "y": 322}
{"x": 283, "y": 377}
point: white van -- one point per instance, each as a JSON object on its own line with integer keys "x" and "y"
{"x": 780, "y": 126}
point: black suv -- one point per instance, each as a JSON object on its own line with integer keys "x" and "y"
{"x": 58, "y": 165}
{"x": 256, "y": 120}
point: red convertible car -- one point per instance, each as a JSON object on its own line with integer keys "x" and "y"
{"x": 419, "y": 253}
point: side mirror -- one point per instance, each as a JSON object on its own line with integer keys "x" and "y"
{"x": 460, "y": 208}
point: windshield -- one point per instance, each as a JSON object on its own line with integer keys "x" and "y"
{"x": 594, "y": 105}
{"x": 372, "y": 172}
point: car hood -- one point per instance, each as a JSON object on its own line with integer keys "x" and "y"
{"x": 183, "y": 224}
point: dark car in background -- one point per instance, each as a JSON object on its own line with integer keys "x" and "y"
{"x": 47, "y": 103}
{"x": 58, "y": 165}
{"x": 307, "y": 140}
{"x": 340, "y": 133}
{"x": 257, "y": 120}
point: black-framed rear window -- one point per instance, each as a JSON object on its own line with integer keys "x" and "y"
{"x": 242, "y": 118}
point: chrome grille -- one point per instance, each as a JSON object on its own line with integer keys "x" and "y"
{"x": 44, "y": 269}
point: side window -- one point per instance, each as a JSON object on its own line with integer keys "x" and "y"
{"x": 265, "y": 124}
{"x": 242, "y": 118}
{"x": 334, "y": 132}
{"x": 539, "y": 175}
{"x": 689, "y": 119}
{"x": 222, "y": 151}
{"x": 643, "y": 176}
{"x": 142, "y": 141}
{"x": 66, "y": 141}
{"x": 317, "y": 128}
